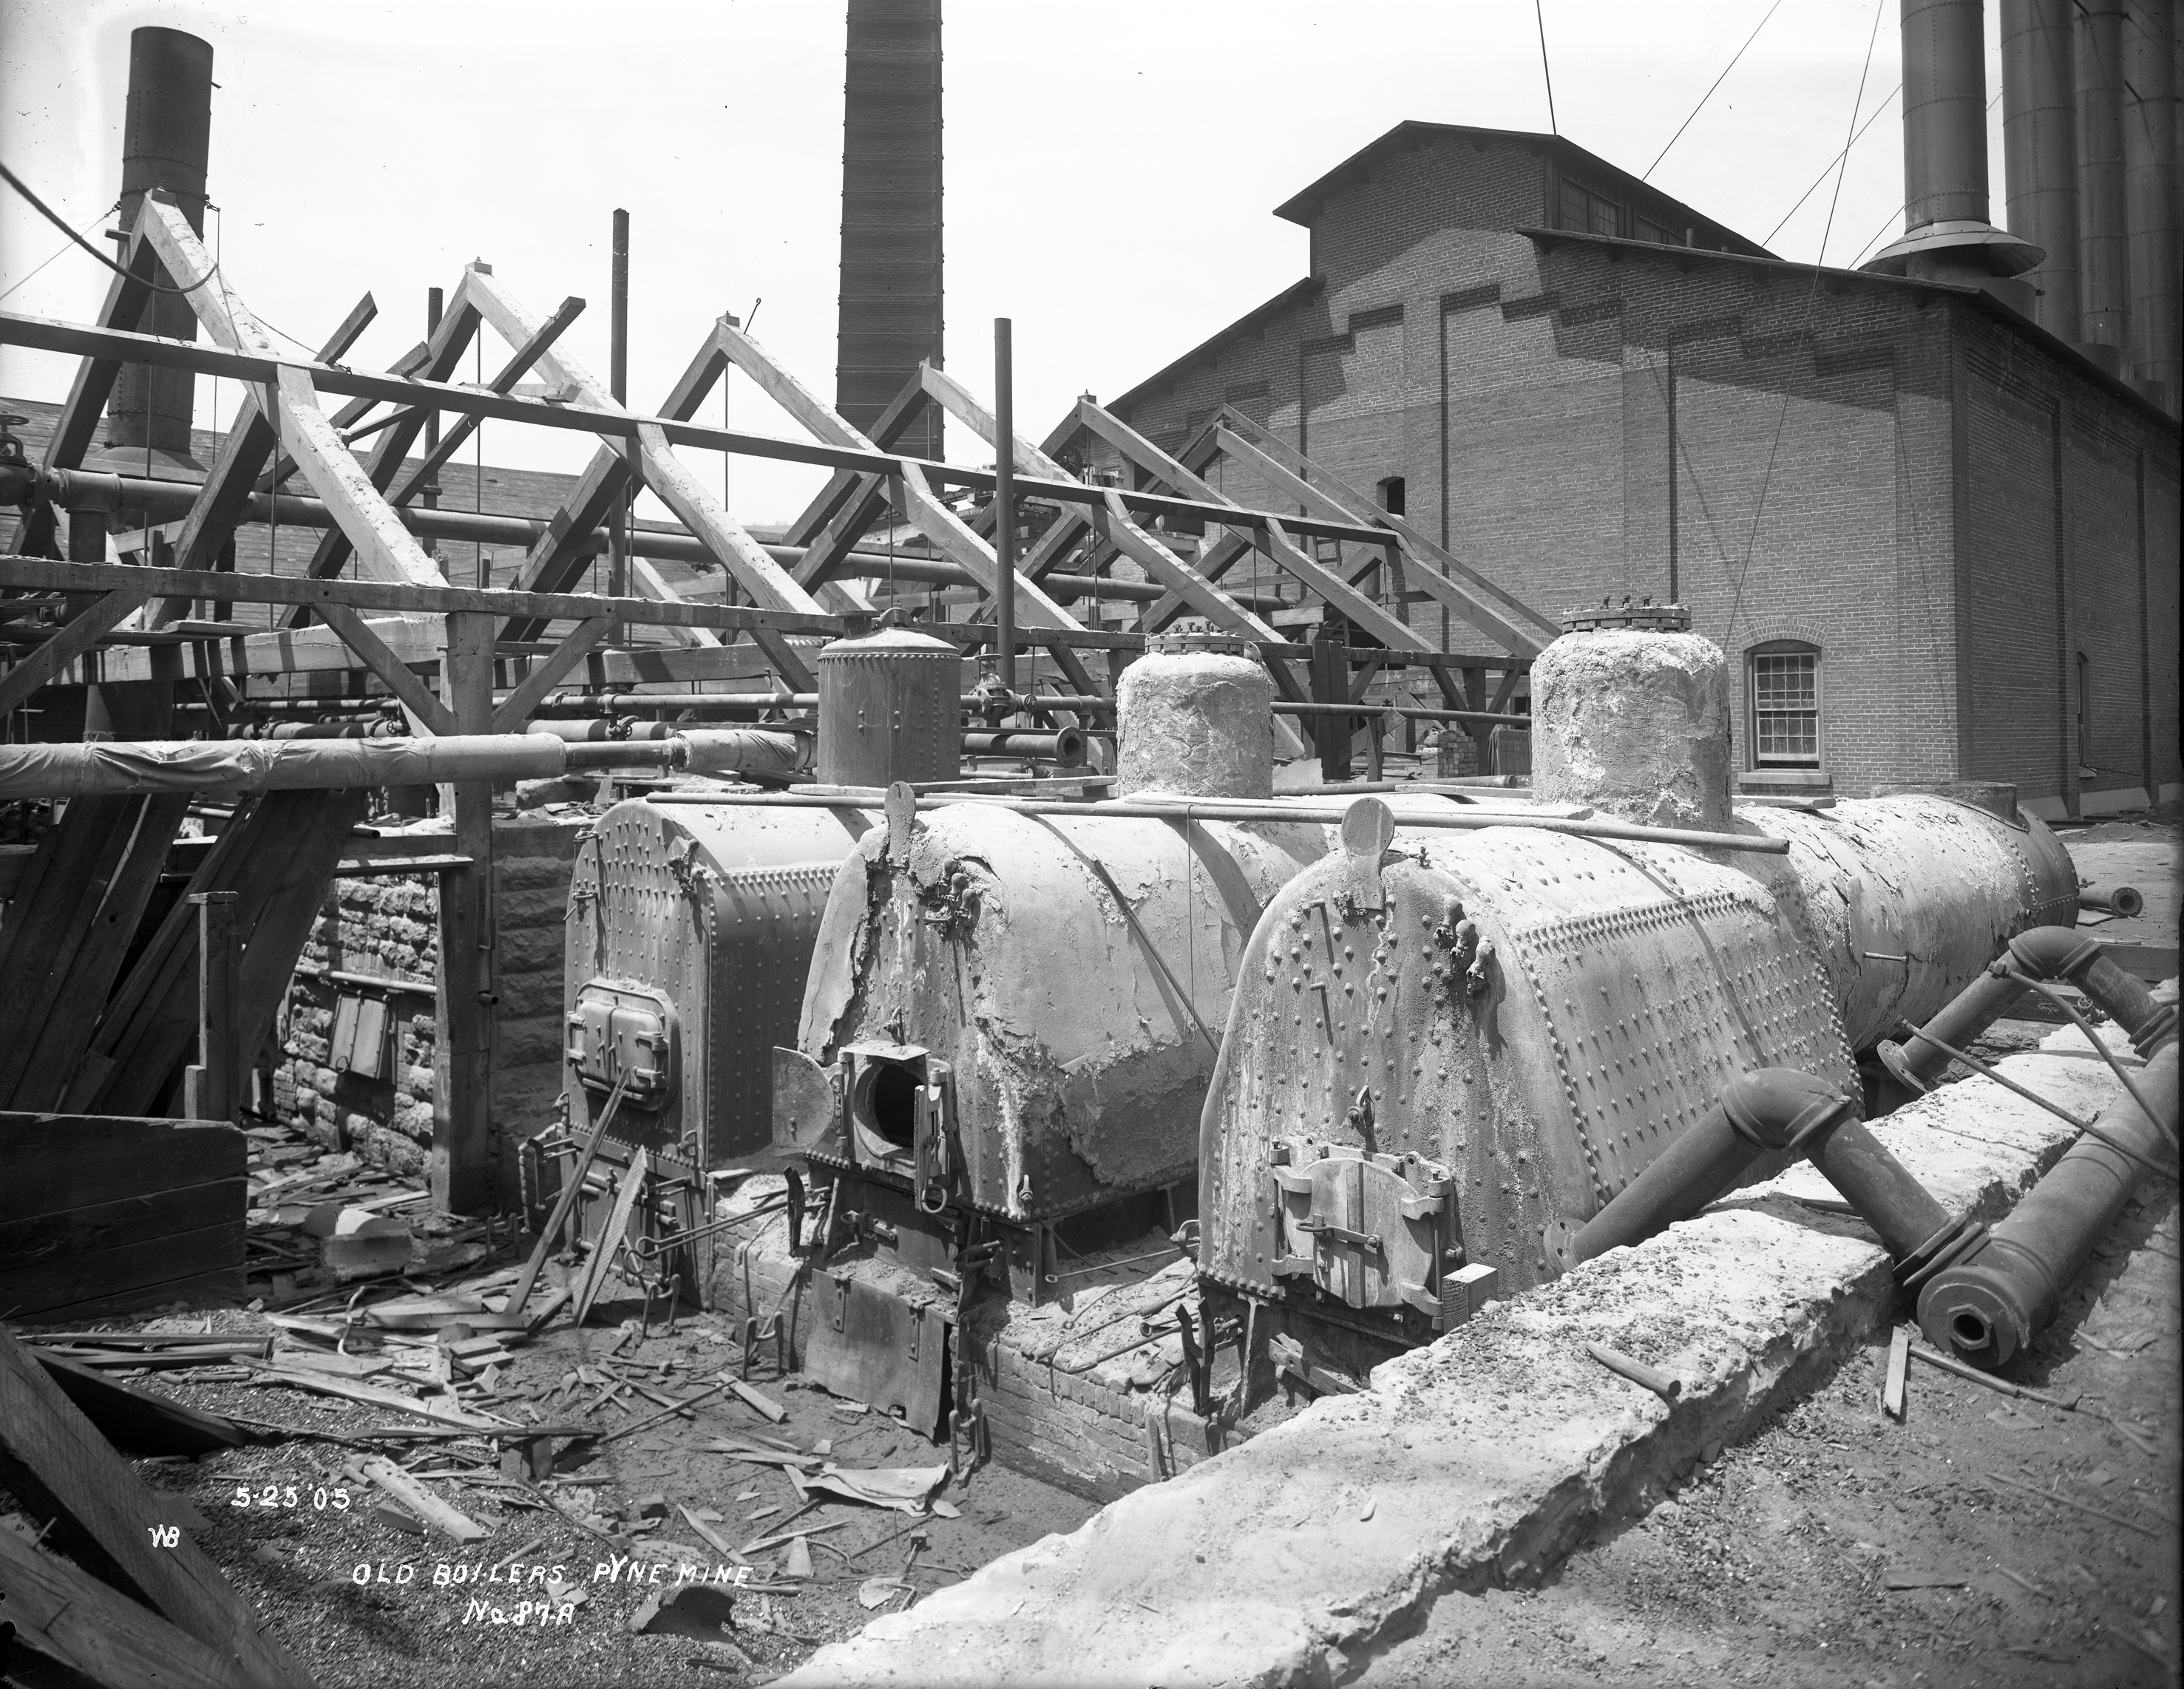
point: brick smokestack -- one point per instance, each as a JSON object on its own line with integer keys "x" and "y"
{"x": 891, "y": 308}
{"x": 166, "y": 144}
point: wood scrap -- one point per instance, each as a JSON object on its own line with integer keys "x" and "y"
{"x": 609, "y": 1242}
{"x": 528, "y": 1277}
{"x": 422, "y": 1503}
{"x": 50, "y": 1439}
{"x": 759, "y": 1400}
{"x": 69, "y": 1616}
{"x": 158, "y": 1360}
{"x": 137, "y": 1422}
{"x": 714, "y": 1540}
{"x": 273, "y": 1374}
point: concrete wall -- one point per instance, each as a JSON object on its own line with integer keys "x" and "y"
{"x": 390, "y": 927}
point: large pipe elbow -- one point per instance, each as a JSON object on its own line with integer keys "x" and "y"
{"x": 2053, "y": 952}
{"x": 1765, "y": 1112}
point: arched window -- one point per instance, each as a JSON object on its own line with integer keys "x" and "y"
{"x": 1785, "y": 704}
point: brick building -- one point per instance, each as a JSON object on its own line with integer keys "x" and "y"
{"x": 1937, "y": 543}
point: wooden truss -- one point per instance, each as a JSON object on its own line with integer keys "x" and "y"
{"x": 373, "y": 599}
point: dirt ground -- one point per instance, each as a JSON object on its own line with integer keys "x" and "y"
{"x": 299, "y": 1556}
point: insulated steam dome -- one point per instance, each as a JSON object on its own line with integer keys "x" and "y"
{"x": 1195, "y": 717}
{"x": 888, "y": 709}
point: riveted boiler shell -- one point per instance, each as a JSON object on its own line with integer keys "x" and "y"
{"x": 1625, "y": 985}
{"x": 715, "y": 909}
{"x": 998, "y": 947}
{"x": 1940, "y": 884}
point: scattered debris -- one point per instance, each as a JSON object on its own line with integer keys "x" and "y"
{"x": 701, "y": 1611}
{"x": 1645, "y": 1377}
{"x": 1899, "y": 1364}
{"x": 422, "y": 1503}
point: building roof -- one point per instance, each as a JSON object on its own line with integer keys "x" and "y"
{"x": 1294, "y": 294}
{"x": 1304, "y": 206}
{"x": 1976, "y": 296}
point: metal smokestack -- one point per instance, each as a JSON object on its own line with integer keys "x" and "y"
{"x": 2149, "y": 164}
{"x": 1947, "y": 235}
{"x": 2103, "y": 239}
{"x": 2040, "y": 151}
{"x": 891, "y": 308}
{"x": 166, "y": 144}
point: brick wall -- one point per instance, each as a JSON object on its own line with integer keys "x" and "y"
{"x": 1857, "y": 464}
{"x": 390, "y": 928}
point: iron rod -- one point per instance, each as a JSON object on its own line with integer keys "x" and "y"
{"x": 1005, "y": 504}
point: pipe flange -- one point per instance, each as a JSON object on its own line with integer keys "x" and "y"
{"x": 1899, "y": 1067}
{"x": 1953, "y": 1243}
{"x": 1779, "y": 1107}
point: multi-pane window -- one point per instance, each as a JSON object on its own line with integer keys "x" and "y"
{"x": 1786, "y": 706}
{"x": 1587, "y": 212}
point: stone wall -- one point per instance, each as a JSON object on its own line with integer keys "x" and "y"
{"x": 389, "y": 928}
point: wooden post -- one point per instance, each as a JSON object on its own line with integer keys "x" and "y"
{"x": 1330, "y": 684}
{"x": 209, "y": 1084}
{"x": 462, "y": 1061}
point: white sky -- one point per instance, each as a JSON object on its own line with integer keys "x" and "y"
{"x": 1111, "y": 169}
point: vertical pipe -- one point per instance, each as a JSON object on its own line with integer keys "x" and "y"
{"x": 1005, "y": 501}
{"x": 2104, "y": 243}
{"x": 2149, "y": 158}
{"x": 436, "y": 305}
{"x": 2040, "y": 151}
{"x": 618, "y": 386}
{"x": 1944, "y": 112}
{"x": 165, "y": 146}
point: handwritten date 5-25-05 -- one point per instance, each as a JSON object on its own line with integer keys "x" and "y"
{"x": 322, "y": 1499}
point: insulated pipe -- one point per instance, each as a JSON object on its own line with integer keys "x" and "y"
{"x": 2040, "y": 150}
{"x": 1989, "y": 1305}
{"x": 2046, "y": 952}
{"x": 109, "y": 768}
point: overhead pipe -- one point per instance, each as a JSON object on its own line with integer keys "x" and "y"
{"x": 1066, "y": 746}
{"x": 110, "y": 768}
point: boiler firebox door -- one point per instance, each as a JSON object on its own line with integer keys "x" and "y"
{"x": 618, "y": 1032}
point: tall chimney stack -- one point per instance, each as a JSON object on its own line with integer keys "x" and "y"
{"x": 2103, "y": 236}
{"x": 166, "y": 144}
{"x": 2150, "y": 124}
{"x": 1947, "y": 235}
{"x": 2040, "y": 151}
{"x": 891, "y": 306}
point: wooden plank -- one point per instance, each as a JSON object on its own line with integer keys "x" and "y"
{"x": 245, "y": 450}
{"x": 44, "y": 929}
{"x": 1271, "y": 536}
{"x": 1899, "y": 1364}
{"x": 62, "y": 1162}
{"x": 547, "y": 673}
{"x": 955, "y": 398}
{"x": 68, "y": 1615}
{"x": 47, "y": 659}
{"x": 384, "y": 546}
{"x": 1354, "y": 505}
{"x": 422, "y": 1502}
{"x": 44, "y": 334}
{"x": 503, "y": 381}
{"x": 608, "y": 1242}
{"x": 427, "y": 711}
{"x": 129, "y": 1277}
{"x": 1489, "y": 618}
{"x": 73, "y": 1001}
{"x": 301, "y": 875}
{"x": 437, "y": 358}
{"x": 44, "y": 1431}
{"x": 436, "y": 597}
{"x": 142, "y": 1214}
{"x": 461, "y": 1157}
